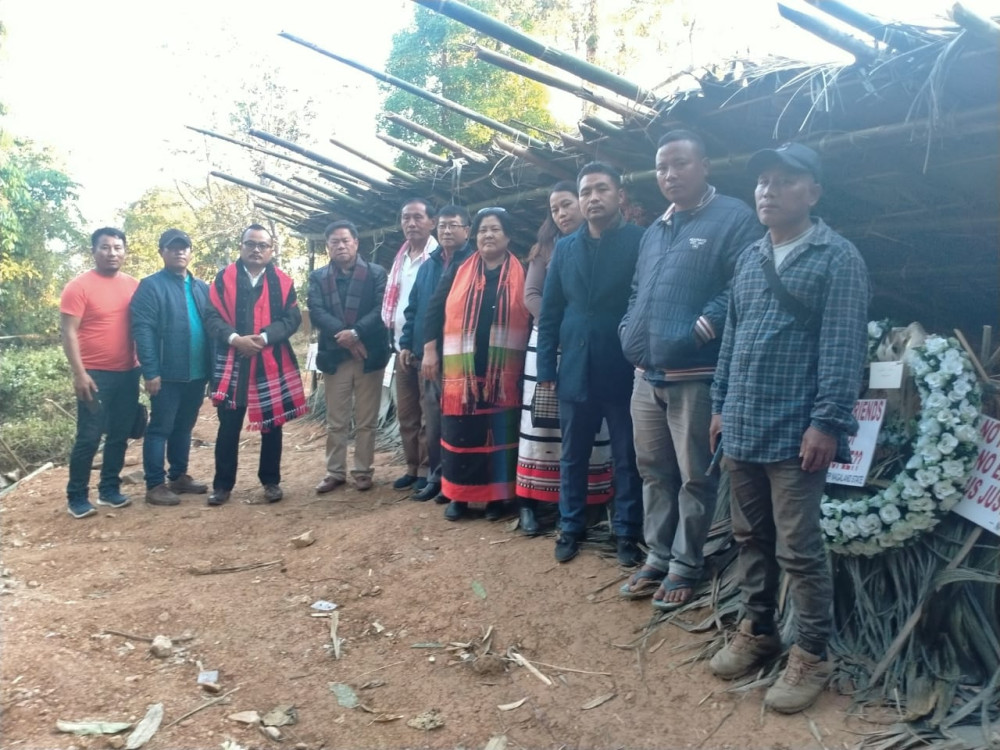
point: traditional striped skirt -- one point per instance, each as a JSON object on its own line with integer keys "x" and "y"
{"x": 479, "y": 455}
{"x": 539, "y": 450}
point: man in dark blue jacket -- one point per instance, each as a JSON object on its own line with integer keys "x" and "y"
{"x": 671, "y": 333}
{"x": 166, "y": 317}
{"x": 452, "y": 233}
{"x": 586, "y": 293}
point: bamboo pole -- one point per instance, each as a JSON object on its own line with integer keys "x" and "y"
{"x": 452, "y": 145}
{"x": 263, "y": 189}
{"x": 417, "y": 91}
{"x": 893, "y": 37}
{"x": 602, "y": 126}
{"x": 414, "y": 151}
{"x": 385, "y": 167}
{"x": 516, "y": 66}
{"x": 543, "y": 164}
{"x": 557, "y": 58}
{"x": 336, "y": 194}
{"x": 321, "y": 199}
{"x": 816, "y": 26}
{"x": 976, "y": 24}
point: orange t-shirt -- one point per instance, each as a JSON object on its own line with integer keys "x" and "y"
{"x": 101, "y": 304}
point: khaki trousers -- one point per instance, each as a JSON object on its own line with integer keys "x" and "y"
{"x": 351, "y": 391}
{"x": 410, "y": 416}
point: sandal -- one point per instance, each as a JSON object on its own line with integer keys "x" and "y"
{"x": 644, "y": 582}
{"x": 677, "y": 583}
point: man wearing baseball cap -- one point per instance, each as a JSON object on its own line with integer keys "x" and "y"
{"x": 166, "y": 315}
{"x": 789, "y": 373}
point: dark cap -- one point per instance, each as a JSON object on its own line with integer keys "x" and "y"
{"x": 792, "y": 155}
{"x": 174, "y": 235}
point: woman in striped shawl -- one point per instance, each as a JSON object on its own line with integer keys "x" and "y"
{"x": 478, "y": 314}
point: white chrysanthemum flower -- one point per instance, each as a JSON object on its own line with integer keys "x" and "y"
{"x": 874, "y": 329}
{"x": 936, "y": 401}
{"x": 870, "y": 524}
{"x": 889, "y": 513}
{"x": 916, "y": 461}
{"x": 919, "y": 367}
{"x": 945, "y": 490}
{"x": 952, "y": 469}
{"x": 934, "y": 380}
{"x": 928, "y": 476}
{"x": 947, "y": 443}
{"x": 967, "y": 412}
{"x": 911, "y": 488}
{"x": 921, "y": 521}
{"x": 935, "y": 345}
{"x": 849, "y": 527}
{"x": 901, "y": 531}
{"x": 930, "y": 454}
{"x": 830, "y": 526}
{"x": 960, "y": 387}
{"x": 922, "y": 504}
{"x": 891, "y": 493}
{"x": 929, "y": 427}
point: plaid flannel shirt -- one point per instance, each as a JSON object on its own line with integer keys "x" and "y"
{"x": 775, "y": 377}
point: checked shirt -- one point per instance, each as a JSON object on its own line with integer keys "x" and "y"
{"x": 775, "y": 377}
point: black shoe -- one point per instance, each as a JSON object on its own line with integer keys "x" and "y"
{"x": 494, "y": 510}
{"x": 567, "y": 547}
{"x": 420, "y": 483}
{"x": 454, "y": 511}
{"x": 429, "y": 491}
{"x": 629, "y": 554}
{"x": 404, "y": 482}
{"x": 528, "y": 523}
{"x": 273, "y": 493}
{"x": 442, "y": 500}
{"x": 219, "y": 497}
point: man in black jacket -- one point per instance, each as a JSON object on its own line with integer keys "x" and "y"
{"x": 166, "y": 317}
{"x": 345, "y": 304}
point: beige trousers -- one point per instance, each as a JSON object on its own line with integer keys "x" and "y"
{"x": 351, "y": 391}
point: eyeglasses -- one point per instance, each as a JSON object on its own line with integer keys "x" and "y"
{"x": 481, "y": 211}
{"x": 248, "y": 245}
{"x": 451, "y": 226}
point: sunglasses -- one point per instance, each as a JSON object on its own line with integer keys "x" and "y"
{"x": 481, "y": 211}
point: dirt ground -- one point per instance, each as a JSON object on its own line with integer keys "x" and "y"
{"x": 400, "y": 574}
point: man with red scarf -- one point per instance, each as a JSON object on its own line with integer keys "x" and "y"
{"x": 253, "y": 314}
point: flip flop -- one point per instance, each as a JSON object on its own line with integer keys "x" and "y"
{"x": 670, "y": 584}
{"x": 643, "y": 583}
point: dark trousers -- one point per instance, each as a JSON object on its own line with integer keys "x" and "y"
{"x": 580, "y": 422}
{"x": 227, "y": 447}
{"x": 776, "y": 513}
{"x": 430, "y": 396}
{"x": 171, "y": 419}
{"x": 111, "y": 413}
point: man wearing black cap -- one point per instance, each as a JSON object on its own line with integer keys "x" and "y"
{"x": 166, "y": 314}
{"x": 789, "y": 373}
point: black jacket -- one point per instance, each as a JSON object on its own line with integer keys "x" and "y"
{"x": 160, "y": 326}
{"x": 428, "y": 276}
{"x": 371, "y": 330}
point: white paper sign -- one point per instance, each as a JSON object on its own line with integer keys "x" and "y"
{"x": 981, "y": 503}
{"x": 389, "y": 370}
{"x": 869, "y": 412}
{"x": 885, "y": 375}
{"x": 311, "y": 358}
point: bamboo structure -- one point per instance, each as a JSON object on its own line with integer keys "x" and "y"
{"x": 454, "y": 146}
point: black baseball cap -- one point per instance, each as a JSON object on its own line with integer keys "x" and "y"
{"x": 792, "y": 155}
{"x": 172, "y": 236}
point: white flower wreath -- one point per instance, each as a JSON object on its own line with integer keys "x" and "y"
{"x": 938, "y": 461}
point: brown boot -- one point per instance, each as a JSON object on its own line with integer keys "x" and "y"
{"x": 161, "y": 495}
{"x": 745, "y": 653}
{"x": 800, "y": 684}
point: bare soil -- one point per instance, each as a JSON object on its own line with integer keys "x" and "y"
{"x": 400, "y": 574}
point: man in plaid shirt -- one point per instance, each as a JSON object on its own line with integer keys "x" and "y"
{"x": 788, "y": 375}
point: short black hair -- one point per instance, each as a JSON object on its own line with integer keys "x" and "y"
{"x": 459, "y": 212}
{"x": 599, "y": 167}
{"x": 683, "y": 135}
{"x": 106, "y": 232}
{"x": 428, "y": 206}
{"x": 566, "y": 186}
{"x": 256, "y": 228}
{"x": 501, "y": 214}
{"x": 342, "y": 224}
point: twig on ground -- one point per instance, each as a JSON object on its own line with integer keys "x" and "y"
{"x": 567, "y": 669}
{"x": 718, "y": 726}
{"x": 609, "y": 584}
{"x": 204, "y": 705}
{"x": 232, "y": 568}
{"x": 521, "y": 661}
{"x": 144, "y": 638}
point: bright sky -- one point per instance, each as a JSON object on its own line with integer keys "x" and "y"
{"x": 110, "y": 84}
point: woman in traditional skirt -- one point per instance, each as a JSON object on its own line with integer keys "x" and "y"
{"x": 478, "y": 314}
{"x": 540, "y": 448}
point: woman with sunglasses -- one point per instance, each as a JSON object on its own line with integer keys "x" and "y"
{"x": 541, "y": 446}
{"x": 478, "y": 313}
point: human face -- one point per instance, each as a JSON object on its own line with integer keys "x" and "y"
{"x": 176, "y": 257}
{"x": 600, "y": 199}
{"x": 565, "y": 210}
{"x": 451, "y": 233}
{"x": 491, "y": 240}
{"x": 342, "y": 247}
{"x": 416, "y": 224}
{"x": 682, "y": 174}
{"x": 109, "y": 254}
{"x": 256, "y": 249}
{"x": 784, "y": 199}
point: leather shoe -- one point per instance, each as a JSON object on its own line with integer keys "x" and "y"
{"x": 160, "y": 495}
{"x": 628, "y": 553}
{"x": 454, "y": 511}
{"x": 363, "y": 482}
{"x": 430, "y": 491}
{"x": 405, "y": 482}
{"x": 528, "y": 523}
{"x": 442, "y": 500}
{"x": 567, "y": 547}
{"x": 273, "y": 493}
{"x": 494, "y": 510}
{"x": 219, "y": 497}
{"x": 185, "y": 485}
{"x": 329, "y": 484}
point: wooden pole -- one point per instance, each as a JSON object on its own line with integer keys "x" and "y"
{"x": 976, "y": 24}
{"x": 894, "y": 37}
{"x": 385, "y": 167}
{"x": 861, "y": 51}
{"x": 454, "y": 146}
{"x": 321, "y": 199}
{"x": 543, "y": 164}
{"x": 414, "y": 151}
{"x": 263, "y": 189}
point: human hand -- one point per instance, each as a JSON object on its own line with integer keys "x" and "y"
{"x": 152, "y": 385}
{"x": 359, "y": 351}
{"x": 406, "y": 358}
{"x": 714, "y": 432}
{"x": 345, "y": 338}
{"x": 817, "y": 450}
{"x": 85, "y": 387}
{"x": 248, "y": 346}
{"x": 429, "y": 368}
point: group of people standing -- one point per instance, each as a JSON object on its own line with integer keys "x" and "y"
{"x": 716, "y": 320}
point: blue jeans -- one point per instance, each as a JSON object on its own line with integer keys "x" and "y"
{"x": 580, "y": 422}
{"x": 112, "y": 412}
{"x": 175, "y": 410}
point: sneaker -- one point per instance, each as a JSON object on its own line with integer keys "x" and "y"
{"x": 273, "y": 493}
{"x": 567, "y": 547}
{"x": 185, "y": 485}
{"x": 494, "y": 510}
{"x": 219, "y": 497}
{"x": 363, "y": 482}
{"x": 628, "y": 553}
{"x": 405, "y": 482}
{"x": 161, "y": 495}
{"x": 114, "y": 499}
{"x": 454, "y": 511}
{"x": 745, "y": 653}
{"x": 800, "y": 684}
{"x": 80, "y": 507}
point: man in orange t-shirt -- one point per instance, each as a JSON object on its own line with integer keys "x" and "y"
{"x": 94, "y": 322}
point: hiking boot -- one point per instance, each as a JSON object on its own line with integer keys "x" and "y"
{"x": 745, "y": 653}
{"x": 363, "y": 482}
{"x": 405, "y": 482}
{"x": 185, "y": 485}
{"x": 454, "y": 511}
{"x": 114, "y": 499}
{"x": 567, "y": 547}
{"x": 161, "y": 495}
{"x": 628, "y": 553}
{"x": 800, "y": 684}
{"x": 80, "y": 507}
{"x": 273, "y": 493}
